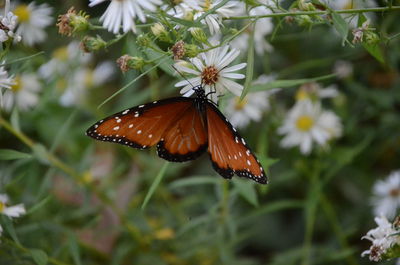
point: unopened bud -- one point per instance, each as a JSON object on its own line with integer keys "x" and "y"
{"x": 92, "y": 44}
{"x": 160, "y": 32}
{"x": 305, "y": 5}
{"x": 143, "y": 40}
{"x": 127, "y": 62}
{"x": 304, "y": 20}
{"x": 191, "y": 50}
{"x": 199, "y": 35}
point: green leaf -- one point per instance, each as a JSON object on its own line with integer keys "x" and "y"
{"x": 155, "y": 184}
{"x": 340, "y": 25}
{"x": 74, "y": 249}
{"x": 193, "y": 181}
{"x": 249, "y": 66}
{"x": 9, "y": 227}
{"x": 246, "y": 190}
{"x": 375, "y": 51}
{"x": 39, "y": 256}
{"x": 290, "y": 83}
{"x": 39, "y": 205}
{"x": 9, "y": 154}
{"x": 40, "y": 153}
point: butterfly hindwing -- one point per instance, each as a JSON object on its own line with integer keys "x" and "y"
{"x": 141, "y": 126}
{"x": 228, "y": 151}
{"x": 186, "y": 139}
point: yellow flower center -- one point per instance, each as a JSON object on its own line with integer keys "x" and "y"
{"x": 301, "y": 94}
{"x": 240, "y": 104}
{"x": 210, "y": 75}
{"x": 2, "y": 207}
{"x": 89, "y": 78}
{"x": 23, "y": 13}
{"x": 304, "y": 123}
{"x": 61, "y": 54}
{"x": 207, "y": 5}
{"x": 18, "y": 84}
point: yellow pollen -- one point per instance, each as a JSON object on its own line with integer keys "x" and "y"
{"x": 23, "y": 13}
{"x": 17, "y": 87}
{"x": 240, "y": 104}
{"x": 304, "y": 123}
{"x": 210, "y": 75}
{"x": 61, "y": 54}
{"x": 2, "y": 207}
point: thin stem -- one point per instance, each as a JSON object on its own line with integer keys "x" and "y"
{"x": 300, "y": 13}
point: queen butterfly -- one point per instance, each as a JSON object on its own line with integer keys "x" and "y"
{"x": 183, "y": 128}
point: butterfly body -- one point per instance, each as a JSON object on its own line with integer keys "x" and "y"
{"x": 183, "y": 129}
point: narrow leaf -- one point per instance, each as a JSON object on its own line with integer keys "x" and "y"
{"x": 246, "y": 190}
{"x": 155, "y": 184}
{"x": 250, "y": 65}
{"x": 340, "y": 25}
{"x": 9, "y": 154}
{"x": 184, "y": 22}
{"x": 39, "y": 256}
{"x": 193, "y": 181}
{"x": 39, "y": 205}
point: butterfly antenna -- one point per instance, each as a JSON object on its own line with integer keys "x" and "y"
{"x": 173, "y": 66}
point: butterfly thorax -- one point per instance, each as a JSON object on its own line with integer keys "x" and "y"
{"x": 201, "y": 99}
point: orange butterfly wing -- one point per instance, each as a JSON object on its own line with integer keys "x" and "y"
{"x": 173, "y": 124}
{"x": 228, "y": 151}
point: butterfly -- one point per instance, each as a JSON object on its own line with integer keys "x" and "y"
{"x": 183, "y": 128}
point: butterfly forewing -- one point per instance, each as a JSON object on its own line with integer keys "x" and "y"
{"x": 228, "y": 150}
{"x": 141, "y": 126}
{"x": 186, "y": 139}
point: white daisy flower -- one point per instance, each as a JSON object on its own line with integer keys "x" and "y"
{"x": 184, "y": 10}
{"x": 383, "y": 238}
{"x": 314, "y": 91}
{"x": 386, "y": 198}
{"x": 10, "y": 211}
{"x": 84, "y": 78}
{"x": 32, "y": 19}
{"x": 212, "y": 72}
{"x": 23, "y": 94}
{"x": 252, "y": 107}
{"x": 262, "y": 28}
{"x": 306, "y": 123}
{"x": 63, "y": 60}
{"x": 6, "y": 82}
{"x": 124, "y": 12}
{"x": 8, "y": 22}
{"x": 214, "y": 20}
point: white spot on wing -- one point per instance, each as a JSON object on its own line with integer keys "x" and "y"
{"x": 150, "y": 135}
{"x": 130, "y": 126}
{"x": 119, "y": 120}
{"x": 125, "y": 112}
{"x": 243, "y": 141}
{"x": 141, "y": 106}
{"x": 139, "y": 132}
{"x": 248, "y": 162}
{"x": 136, "y": 114}
{"x": 116, "y": 128}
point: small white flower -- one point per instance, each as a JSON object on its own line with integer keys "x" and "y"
{"x": 241, "y": 112}
{"x": 6, "y": 82}
{"x": 262, "y": 28}
{"x": 1, "y": 230}
{"x": 23, "y": 94}
{"x": 214, "y": 20}
{"x": 212, "y": 72}
{"x": 84, "y": 78}
{"x": 314, "y": 90}
{"x": 8, "y": 24}
{"x": 63, "y": 60}
{"x": 32, "y": 19}
{"x": 306, "y": 123}
{"x": 124, "y": 12}
{"x": 343, "y": 69}
{"x": 184, "y": 10}
{"x": 386, "y": 199}
{"x": 10, "y": 211}
{"x": 383, "y": 238}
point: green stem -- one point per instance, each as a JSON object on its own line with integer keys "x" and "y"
{"x": 326, "y": 12}
{"x": 225, "y": 200}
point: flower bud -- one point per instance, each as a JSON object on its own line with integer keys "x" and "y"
{"x": 160, "y": 32}
{"x": 143, "y": 40}
{"x": 127, "y": 62}
{"x": 304, "y": 20}
{"x": 305, "y": 5}
{"x": 199, "y": 35}
{"x": 92, "y": 44}
{"x": 191, "y": 50}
